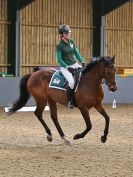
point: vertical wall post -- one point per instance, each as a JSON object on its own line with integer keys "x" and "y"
{"x": 17, "y": 63}
{"x": 100, "y": 9}
{"x": 13, "y": 54}
{"x": 102, "y": 29}
{"x": 97, "y": 27}
{"x": 102, "y": 36}
{"x": 11, "y": 58}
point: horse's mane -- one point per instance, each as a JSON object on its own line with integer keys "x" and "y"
{"x": 90, "y": 64}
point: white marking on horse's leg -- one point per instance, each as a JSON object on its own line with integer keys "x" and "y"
{"x": 66, "y": 141}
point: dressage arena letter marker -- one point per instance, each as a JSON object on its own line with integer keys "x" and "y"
{"x": 114, "y": 104}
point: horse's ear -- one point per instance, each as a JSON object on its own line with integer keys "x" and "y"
{"x": 102, "y": 58}
{"x": 113, "y": 58}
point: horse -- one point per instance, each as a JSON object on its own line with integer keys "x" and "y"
{"x": 89, "y": 89}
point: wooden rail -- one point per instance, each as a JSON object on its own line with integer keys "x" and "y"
{"x": 5, "y": 64}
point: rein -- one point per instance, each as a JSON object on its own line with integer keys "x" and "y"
{"x": 101, "y": 77}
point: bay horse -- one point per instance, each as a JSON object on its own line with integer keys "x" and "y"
{"x": 89, "y": 94}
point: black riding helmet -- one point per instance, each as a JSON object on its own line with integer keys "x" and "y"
{"x": 64, "y": 29}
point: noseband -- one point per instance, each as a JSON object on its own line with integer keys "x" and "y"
{"x": 104, "y": 81}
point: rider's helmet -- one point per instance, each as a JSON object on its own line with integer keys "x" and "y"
{"x": 64, "y": 29}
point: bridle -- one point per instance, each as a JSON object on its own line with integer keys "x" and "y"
{"x": 104, "y": 80}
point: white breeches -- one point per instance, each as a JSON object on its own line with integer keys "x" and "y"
{"x": 68, "y": 75}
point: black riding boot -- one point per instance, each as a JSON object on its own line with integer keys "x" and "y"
{"x": 70, "y": 93}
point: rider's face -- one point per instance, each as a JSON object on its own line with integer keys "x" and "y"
{"x": 66, "y": 35}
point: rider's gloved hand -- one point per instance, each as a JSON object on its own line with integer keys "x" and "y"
{"x": 70, "y": 69}
{"x": 83, "y": 64}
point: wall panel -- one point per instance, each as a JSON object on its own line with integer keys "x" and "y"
{"x": 119, "y": 35}
{"x": 39, "y": 30}
{"x": 3, "y": 35}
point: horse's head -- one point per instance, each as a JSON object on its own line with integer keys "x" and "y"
{"x": 109, "y": 72}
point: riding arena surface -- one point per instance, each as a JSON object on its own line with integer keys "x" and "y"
{"x": 25, "y": 151}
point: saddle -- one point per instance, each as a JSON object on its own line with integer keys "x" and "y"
{"x": 58, "y": 81}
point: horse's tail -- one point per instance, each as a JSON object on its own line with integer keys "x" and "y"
{"x": 23, "y": 96}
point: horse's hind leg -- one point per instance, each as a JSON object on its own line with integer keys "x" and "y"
{"x": 38, "y": 112}
{"x": 53, "y": 112}
{"x": 107, "y": 119}
{"x": 85, "y": 114}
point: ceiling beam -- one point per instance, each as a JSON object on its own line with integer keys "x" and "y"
{"x": 110, "y": 5}
{"x": 23, "y": 3}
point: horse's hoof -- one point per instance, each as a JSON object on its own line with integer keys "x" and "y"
{"x": 9, "y": 113}
{"x": 103, "y": 139}
{"x": 76, "y": 137}
{"x": 49, "y": 138}
{"x": 66, "y": 141}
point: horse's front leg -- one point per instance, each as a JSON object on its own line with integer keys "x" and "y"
{"x": 53, "y": 112}
{"x": 101, "y": 110}
{"x": 85, "y": 114}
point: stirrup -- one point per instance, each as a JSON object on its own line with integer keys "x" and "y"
{"x": 70, "y": 105}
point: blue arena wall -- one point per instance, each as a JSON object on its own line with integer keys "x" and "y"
{"x": 9, "y": 91}
{"x": 124, "y": 94}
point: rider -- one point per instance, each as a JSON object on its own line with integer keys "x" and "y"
{"x": 66, "y": 52}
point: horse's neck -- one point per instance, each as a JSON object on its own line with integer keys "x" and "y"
{"x": 96, "y": 73}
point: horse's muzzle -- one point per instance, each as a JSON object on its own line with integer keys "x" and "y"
{"x": 113, "y": 88}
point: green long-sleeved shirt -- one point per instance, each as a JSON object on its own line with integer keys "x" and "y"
{"x": 66, "y": 53}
